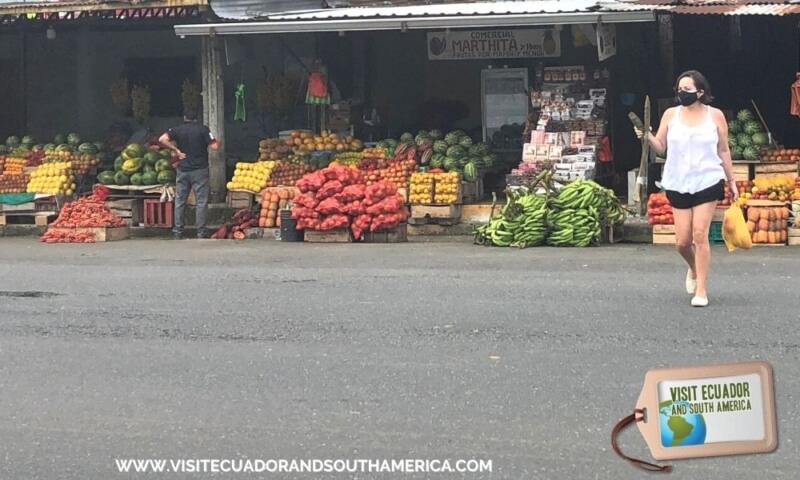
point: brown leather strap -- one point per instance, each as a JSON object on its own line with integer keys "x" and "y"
{"x": 636, "y": 416}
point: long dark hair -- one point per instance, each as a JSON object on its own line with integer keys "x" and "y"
{"x": 700, "y": 82}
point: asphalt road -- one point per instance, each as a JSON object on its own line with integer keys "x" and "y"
{"x": 261, "y": 350}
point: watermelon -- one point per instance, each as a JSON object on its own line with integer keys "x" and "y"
{"x": 74, "y": 139}
{"x": 452, "y": 138}
{"x": 752, "y": 127}
{"x": 750, "y": 153}
{"x": 87, "y": 148}
{"x": 118, "y": 162}
{"x": 151, "y": 158}
{"x": 60, "y": 138}
{"x": 760, "y": 139}
{"x": 734, "y": 127}
{"x": 163, "y": 165}
{"x": 106, "y": 178}
{"x": 382, "y": 144}
{"x": 134, "y": 150}
{"x": 440, "y": 146}
{"x": 166, "y": 176}
{"x": 422, "y": 133}
{"x": 149, "y": 169}
{"x": 436, "y": 134}
{"x": 136, "y": 179}
{"x": 744, "y": 140}
{"x": 28, "y": 140}
{"x": 149, "y": 177}
{"x": 733, "y": 141}
{"x": 64, "y": 148}
{"x": 391, "y": 142}
{"x": 166, "y": 154}
{"x": 50, "y": 147}
{"x": 744, "y": 116}
{"x": 456, "y": 151}
{"x": 470, "y": 172}
{"x": 483, "y": 149}
{"x": 489, "y": 160}
{"x": 736, "y": 153}
{"x": 407, "y": 137}
{"x": 422, "y": 140}
{"x": 465, "y": 141}
{"x": 100, "y": 146}
{"x": 121, "y": 179}
{"x": 12, "y": 142}
{"x": 450, "y": 163}
{"x": 437, "y": 160}
{"x": 3, "y": 149}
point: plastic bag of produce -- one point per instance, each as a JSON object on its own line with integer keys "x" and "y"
{"x": 734, "y": 230}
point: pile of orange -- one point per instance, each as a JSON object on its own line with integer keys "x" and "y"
{"x": 305, "y": 141}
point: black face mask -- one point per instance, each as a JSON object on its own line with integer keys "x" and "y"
{"x": 687, "y": 98}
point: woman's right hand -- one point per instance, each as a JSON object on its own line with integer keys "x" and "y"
{"x": 638, "y": 132}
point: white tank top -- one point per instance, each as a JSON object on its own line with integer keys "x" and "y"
{"x": 693, "y": 163}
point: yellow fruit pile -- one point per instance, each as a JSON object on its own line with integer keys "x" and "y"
{"x": 447, "y": 188}
{"x": 53, "y": 179}
{"x": 778, "y": 188}
{"x": 252, "y": 177}
{"x": 326, "y": 141}
{"x": 420, "y": 190}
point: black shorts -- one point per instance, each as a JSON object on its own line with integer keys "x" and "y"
{"x": 683, "y": 201}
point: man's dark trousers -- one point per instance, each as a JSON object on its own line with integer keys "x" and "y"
{"x": 196, "y": 180}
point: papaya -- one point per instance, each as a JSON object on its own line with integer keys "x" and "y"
{"x": 132, "y": 165}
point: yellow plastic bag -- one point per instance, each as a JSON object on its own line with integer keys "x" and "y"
{"x": 734, "y": 229}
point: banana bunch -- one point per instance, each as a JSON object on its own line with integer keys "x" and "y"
{"x": 582, "y": 194}
{"x": 140, "y": 102}
{"x": 520, "y": 224}
{"x": 571, "y": 227}
{"x": 120, "y": 95}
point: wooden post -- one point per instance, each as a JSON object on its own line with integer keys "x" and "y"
{"x": 666, "y": 43}
{"x": 214, "y": 113}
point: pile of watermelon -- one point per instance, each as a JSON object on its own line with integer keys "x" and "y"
{"x": 452, "y": 152}
{"x": 140, "y": 165}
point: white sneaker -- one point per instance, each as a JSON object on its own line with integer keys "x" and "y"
{"x": 699, "y": 302}
{"x": 691, "y": 285}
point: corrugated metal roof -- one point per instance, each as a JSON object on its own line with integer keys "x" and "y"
{"x": 463, "y": 15}
{"x": 712, "y": 7}
{"x": 450, "y": 9}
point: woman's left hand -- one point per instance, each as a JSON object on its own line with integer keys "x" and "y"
{"x": 734, "y": 190}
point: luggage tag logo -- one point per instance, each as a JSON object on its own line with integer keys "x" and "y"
{"x": 704, "y": 411}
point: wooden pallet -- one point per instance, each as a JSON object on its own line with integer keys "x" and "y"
{"x": 399, "y": 234}
{"x": 40, "y": 219}
{"x": 439, "y": 214}
{"x": 741, "y": 172}
{"x": 341, "y": 235}
{"x": 101, "y": 234}
{"x": 129, "y": 209}
{"x": 664, "y": 235}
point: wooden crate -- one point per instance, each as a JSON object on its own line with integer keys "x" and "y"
{"x": 399, "y": 234}
{"x": 29, "y": 207}
{"x": 441, "y": 214}
{"x": 741, "y": 172}
{"x": 472, "y": 192}
{"x": 612, "y": 233}
{"x": 240, "y": 199}
{"x": 340, "y": 235}
{"x": 794, "y": 237}
{"x": 101, "y": 234}
{"x": 40, "y": 219}
{"x": 664, "y": 235}
{"x": 129, "y": 209}
{"x": 774, "y": 169}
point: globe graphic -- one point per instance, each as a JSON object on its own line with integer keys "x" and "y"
{"x": 680, "y": 430}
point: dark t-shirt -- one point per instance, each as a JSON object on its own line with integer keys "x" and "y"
{"x": 192, "y": 139}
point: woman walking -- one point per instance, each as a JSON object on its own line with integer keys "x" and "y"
{"x": 695, "y": 138}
